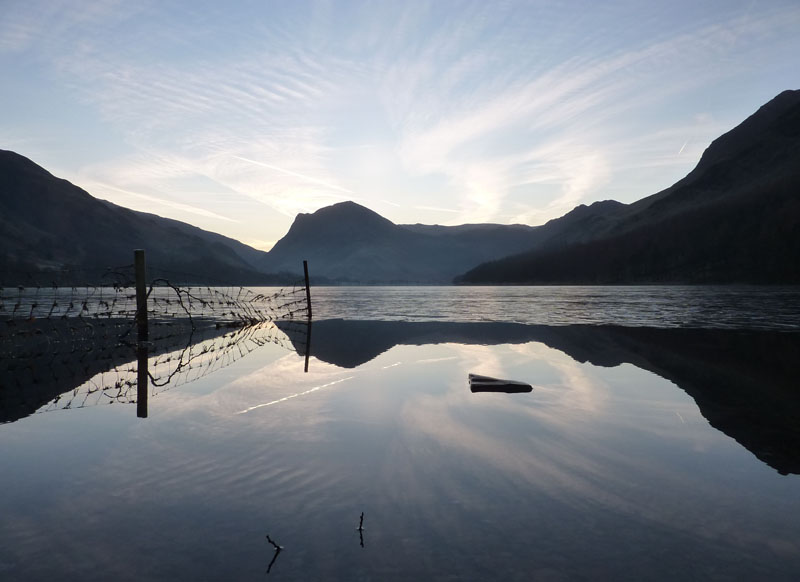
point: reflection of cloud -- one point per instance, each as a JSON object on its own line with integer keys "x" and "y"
{"x": 562, "y": 435}
{"x": 478, "y": 360}
{"x": 551, "y": 462}
{"x": 577, "y": 387}
{"x": 434, "y": 360}
{"x": 433, "y": 457}
{"x": 295, "y": 395}
{"x": 280, "y": 380}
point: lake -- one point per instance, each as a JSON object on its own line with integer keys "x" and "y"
{"x": 660, "y": 440}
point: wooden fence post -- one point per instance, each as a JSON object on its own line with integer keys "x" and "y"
{"x": 308, "y": 345}
{"x": 141, "y": 293}
{"x": 141, "y": 320}
{"x": 308, "y": 288}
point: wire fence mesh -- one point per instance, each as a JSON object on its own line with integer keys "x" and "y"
{"x": 64, "y": 347}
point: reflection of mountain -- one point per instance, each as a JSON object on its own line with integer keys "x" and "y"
{"x": 351, "y": 343}
{"x": 743, "y": 381}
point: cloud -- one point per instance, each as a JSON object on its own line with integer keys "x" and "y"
{"x": 263, "y": 245}
{"x": 297, "y": 175}
{"x": 99, "y": 188}
{"x": 508, "y": 112}
{"x": 437, "y": 209}
{"x": 569, "y": 107}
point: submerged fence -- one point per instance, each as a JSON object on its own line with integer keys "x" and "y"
{"x": 109, "y": 342}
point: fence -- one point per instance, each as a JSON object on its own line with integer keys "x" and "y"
{"x": 107, "y": 343}
{"x": 128, "y": 297}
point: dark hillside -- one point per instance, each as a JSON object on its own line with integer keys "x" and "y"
{"x": 734, "y": 219}
{"x": 48, "y": 224}
{"x": 349, "y": 243}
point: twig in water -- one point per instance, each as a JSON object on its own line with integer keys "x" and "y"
{"x": 275, "y": 555}
{"x": 273, "y": 544}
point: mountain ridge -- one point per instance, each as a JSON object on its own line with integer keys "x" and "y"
{"x": 48, "y": 224}
{"x": 347, "y": 242}
{"x": 735, "y": 218}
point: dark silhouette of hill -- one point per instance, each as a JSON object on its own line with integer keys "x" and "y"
{"x": 735, "y": 218}
{"x": 350, "y": 243}
{"x": 48, "y": 224}
{"x": 744, "y": 382}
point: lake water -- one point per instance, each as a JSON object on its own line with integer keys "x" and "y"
{"x": 660, "y": 440}
{"x": 733, "y": 307}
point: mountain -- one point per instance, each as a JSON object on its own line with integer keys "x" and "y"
{"x": 48, "y": 224}
{"x": 347, "y": 242}
{"x": 735, "y": 218}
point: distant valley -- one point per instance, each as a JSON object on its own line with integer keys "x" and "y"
{"x": 734, "y": 219}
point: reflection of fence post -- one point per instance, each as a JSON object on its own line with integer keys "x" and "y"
{"x": 308, "y": 345}
{"x": 308, "y": 303}
{"x": 141, "y": 321}
{"x": 141, "y": 385}
{"x": 308, "y": 288}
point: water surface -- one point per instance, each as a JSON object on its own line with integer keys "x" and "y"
{"x": 733, "y": 306}
{"x": 645, "y": 452}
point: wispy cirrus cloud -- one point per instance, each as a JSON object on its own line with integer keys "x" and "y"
{"x": 310, "y": 179}
{"x": 559, "y": 121}
{"x": 511, "y": 113}
{"x": 99, "y": 188}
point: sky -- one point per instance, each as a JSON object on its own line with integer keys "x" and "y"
{"x": 237, "y": 116}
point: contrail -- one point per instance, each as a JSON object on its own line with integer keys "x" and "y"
{"x": 295, "y": 174}
{"x": 436, "y": 209}
{"x": 169, "y": 203}
{"x": 683, "y": 146}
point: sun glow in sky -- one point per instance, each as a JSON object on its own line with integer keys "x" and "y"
{"x": 235, "y": 116}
